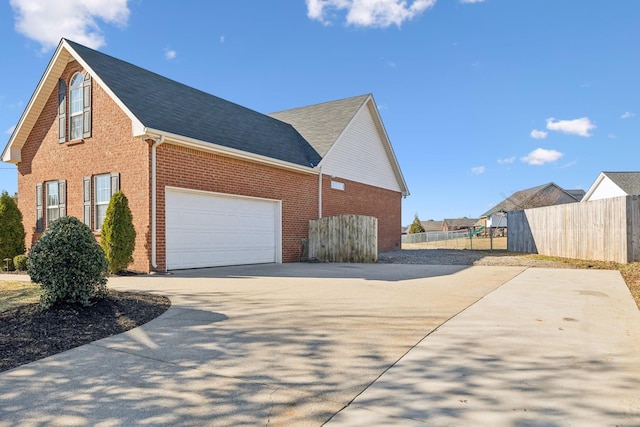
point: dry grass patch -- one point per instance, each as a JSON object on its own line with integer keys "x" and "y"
{"x": 630, "y": 272}
{"x": 15, "y": 293}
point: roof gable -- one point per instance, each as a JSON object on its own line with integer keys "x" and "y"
{"x": 542, "y": 195}
{"x": 609, "y": 184}
{"x": 161, "y": 104}
{"x": 340, "y": 130}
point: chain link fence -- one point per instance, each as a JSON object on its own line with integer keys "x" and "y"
{"x": 462, "y": 239}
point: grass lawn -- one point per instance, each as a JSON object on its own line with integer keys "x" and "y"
{"x": 14, "y": 294}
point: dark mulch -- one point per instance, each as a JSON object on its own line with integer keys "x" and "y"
{"x": 28, "y": 333}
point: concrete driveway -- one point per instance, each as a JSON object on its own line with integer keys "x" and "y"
{"x": 306, "y": 344}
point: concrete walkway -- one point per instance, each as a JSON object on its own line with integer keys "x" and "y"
{"x": 304, "y": 344}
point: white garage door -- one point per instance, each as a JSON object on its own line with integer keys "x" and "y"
{"x": 211, "y": 229}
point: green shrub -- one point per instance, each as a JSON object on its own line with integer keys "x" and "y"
{"x": 69, "y": 264}
{"x": 20, "y": 262}
{"x": 416, "y": 226}
{"x": 11, "y": 228}
{"x": 118, "y": 234}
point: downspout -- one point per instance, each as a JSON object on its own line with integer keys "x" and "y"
{"x": 156, "y": 143}
{"x": 320, "y": 192}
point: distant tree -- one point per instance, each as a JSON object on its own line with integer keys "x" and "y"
{"x": 416, "y": 226}
{"x": 11, "y": 229}
{"x": 118, "y": 233}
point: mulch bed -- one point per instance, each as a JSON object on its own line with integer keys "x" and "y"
{"x": 28, "y": 333}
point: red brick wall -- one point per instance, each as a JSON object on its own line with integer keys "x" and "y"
{"x": 189, "y": 168}
{"x": 362, "y": 199}
{"x": 110, "y": 149}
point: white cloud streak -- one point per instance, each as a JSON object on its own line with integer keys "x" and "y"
{"x": 538, "y": 134}
{"x": 47, "y": 22}
{"x": 627, "y": 115}
{"x": 368, "y": 13}
{"x": 170, "y": 53}
{"x": 10, "y": 130}
{"x": 579, "y": 127}
{"x": 507, "y": 160}
{"x": 478, "y": 170}
{"x": 540, "y": 156}
{"x": 471, "y": 1}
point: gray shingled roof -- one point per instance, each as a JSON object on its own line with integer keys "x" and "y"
{"x": 629, "y": 182}
{"x": 460, "y": 222}
{"x": 322, "y": 124}
{"x": 543, "y": 195}
{"x": 166, "y": 105}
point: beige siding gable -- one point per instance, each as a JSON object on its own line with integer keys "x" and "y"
{"x": 362, "y": 154}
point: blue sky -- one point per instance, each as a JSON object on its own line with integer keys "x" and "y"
{"x": 479, "y": 98}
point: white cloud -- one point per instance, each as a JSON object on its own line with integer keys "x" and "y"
{"x": 170, "y": 53}
{"x": 478, "y": 170}
{"x": 538, "y": 134}
{"x": 612, "y": 136}
{"x": 48, "y": 21}
{"x": 627, "y": 115}
{"x": 221, "y": 39}
{"x": 369, "y": 13}
{"x": 10, "y": 130}
{"x": 507, "y": 160}
{"x": 579, "y": 127}
{"x": 540, "y": 156}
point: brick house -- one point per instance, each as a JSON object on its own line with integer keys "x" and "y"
{"x": 209, "y": 182}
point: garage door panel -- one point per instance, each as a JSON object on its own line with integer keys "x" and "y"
{"x": 206, "y": 230}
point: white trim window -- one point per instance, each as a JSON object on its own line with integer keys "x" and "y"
{"x": 104, "y": 186}
{"x": 51, "y": 199}
{"x": 76, "y": 107}
{"x": 79, "y": 117}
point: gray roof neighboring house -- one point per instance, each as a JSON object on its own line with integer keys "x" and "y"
{"x": 542, "y": 195}
{"x": 166, "y": 105}
{"x": 432, "y": 225}
{"x": 457, "y": 223}
{"x": 629, "y": 182}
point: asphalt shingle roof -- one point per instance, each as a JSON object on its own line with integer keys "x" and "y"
{"x": 322, "y": 124}
{"x": 629, "y": 182}
{"x": 166, "y": 105}
{"x": 543, "y": 195}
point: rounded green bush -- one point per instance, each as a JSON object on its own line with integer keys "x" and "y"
{"x": 20, "y": 262}
{"x": 69, "y": 264}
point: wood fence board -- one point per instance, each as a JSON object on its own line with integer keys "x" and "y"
{"x": 344, "y": 238}
{"x": 605, "y": 230}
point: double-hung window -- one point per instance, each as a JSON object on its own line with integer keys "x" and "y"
{"x": 101, "y": 187}
{"x": 51, "y": 200}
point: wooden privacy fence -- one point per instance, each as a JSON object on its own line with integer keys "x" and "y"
{"x": 344, "y": 238}
{"x": 603, "y": 230}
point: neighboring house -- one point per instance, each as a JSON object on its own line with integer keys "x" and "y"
{"x": 430, "y": 226}
{"x": 209, "y": 182}
{"x": 614, "y": 184}
{"x": 536, "y": 197}
{"x": 456, "y": 224}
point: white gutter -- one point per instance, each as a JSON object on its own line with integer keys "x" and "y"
{"x": 232, "y": 152}
{"x": 156, "y": 143}
{"x": 320, "y": 192}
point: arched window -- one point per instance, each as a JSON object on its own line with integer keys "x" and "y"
{"x": 79, "y": 106}
{"x": 76, "y": 106}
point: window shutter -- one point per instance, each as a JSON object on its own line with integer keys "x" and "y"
{"x": 86, "y": 201}
{"x": 62, "y": 111}
{"x": 115, "y": 183}
{"x": 62, "y": 196}
{"x": 39, "y": 218}
{"x": 86, "y": 115}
